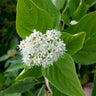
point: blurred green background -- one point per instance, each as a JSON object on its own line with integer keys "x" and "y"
{"x": 10, "y": 58}
{"x": 8, "y": 39}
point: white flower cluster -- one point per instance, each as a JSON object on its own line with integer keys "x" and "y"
{"x": 42, "y": 49}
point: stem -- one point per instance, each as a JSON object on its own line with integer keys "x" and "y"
{"x": 47, "y": 85}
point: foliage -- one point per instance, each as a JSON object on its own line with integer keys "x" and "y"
{"x": 73, "y": 69}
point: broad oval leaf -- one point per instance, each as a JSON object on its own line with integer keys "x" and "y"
{"x": 34, "y": 72}
{"x": 55, "y": 92}
{"x": 48, "y": 6}
{"x": 62, "y": 75}
{"x": 87, "y": 55}
{"x": 73, "y": 42}
{"x": 58, "y": 3}
{"x": 30, "y": 16}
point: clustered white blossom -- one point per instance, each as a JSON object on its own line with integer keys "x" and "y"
{"x": 42, "y": 49}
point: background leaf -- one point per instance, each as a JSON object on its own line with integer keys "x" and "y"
{"x": 14, "y": 43}
{"x": 62, "y": 75}
{"x": 94, "y": 87}
{"x": 87, "y": 55}
{"x": 80, "y": 11}
{"x": 3, "y": 58}
{"x": 91, "y": 2}
{"x": 14, "y": 67}
{"x": 42, "y": 91}
{"x": 73, "y": 5}
{"x": 65, "y": 19}
{"x": 2, "y": 78}
{"x": 12, "y": 95}
{"x": 19, "y": 87}
{"x": 76, "y": 9}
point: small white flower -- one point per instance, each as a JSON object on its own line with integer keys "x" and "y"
{"x": 42, "y": 49}
{"x": 73, "y": 22}
{"x": 75, "y": 34}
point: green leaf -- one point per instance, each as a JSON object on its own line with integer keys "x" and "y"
{"x": 55, "y": 92}
{"x": 34, "y": 72}
{"x": 91, "y": 2}
{"x": 29, "y": 93}
{"x": 94, "y": 87}
{"x": 12, "y": 95}
{"x": 73, "y": 5}
{"x": 19, "y": 87}
{"x": 80, "y": 11}
{"x": 73, "y": 42}
{"x": 48, "y": 6}
{"x": 3, "y": 58}
{"x": 36, "y": 92}
{"x": 58, "y": 3}
{"x": 62, "y": 75}
{"x": 14, "y": 67}
{"x": 77, "y": 8}
{"x": 87, "y": 55}
{"x": 65, "y": 19}
{"x": 2, "y": 78}
{"x": 14, "y": 43}
{"x": 66, "y": 10}
{"x": 30, "y": 16}
{"x": 42, "y": 91}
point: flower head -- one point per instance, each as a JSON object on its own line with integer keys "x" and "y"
{"x": 42, "y": 49}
